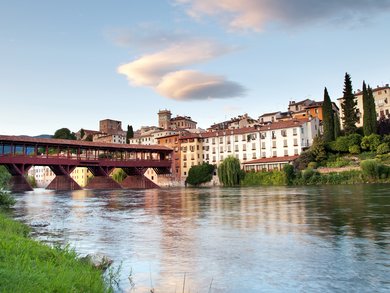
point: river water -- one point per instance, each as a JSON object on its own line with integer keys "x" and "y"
{"x": 274, "y": 239}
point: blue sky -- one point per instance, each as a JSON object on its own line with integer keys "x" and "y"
{"x": 73, "y": 63}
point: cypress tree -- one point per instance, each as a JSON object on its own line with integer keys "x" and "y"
{"x": 349, "y": 107}
{"x": 371, "y": 101}
{"x": 366, "y": 112}
{"x": 327, "y": 118}
{"x": 129, "y": 133}
{"x": 337, "y": 128}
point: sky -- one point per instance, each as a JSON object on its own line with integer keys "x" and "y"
{"x": 72, "y": 63}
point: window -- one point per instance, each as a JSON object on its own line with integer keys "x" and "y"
{"x": 253, "y": 146}
{"x": 286, "y": 153}
{"x": 285, "y": 143}
{"x": 253, "y": 156}
{"x": 274, "y": 153}
{"x": 236, "y": 138}
{"x": 274, "y": 144}
{"x": 244, "y": 147}
{"x": 273, "y": 135}
{"x": 295, "y": 132}
{"x": 263, "y": 145}
{"x": 263, "y": 154}
{"x": 283, "y": 132}
{"x": 295, "y": 142}
{"x": 263, "y": 135}
{"x": 295, "y": 152}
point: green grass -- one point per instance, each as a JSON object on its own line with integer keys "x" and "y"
{"x": 29, "y": 266}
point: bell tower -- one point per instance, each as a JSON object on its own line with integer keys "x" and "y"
{"x": 164, "y": 119}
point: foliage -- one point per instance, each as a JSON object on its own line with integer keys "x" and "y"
{"x": 354, "y": 149}
{"x": 31, "y": 180}
{"x": 6, "y": 199}
{"x": 129, "y": 133}
{"x": 370, "y": 169}
{"x": 314, "y": 178}
{"x": 318, "y": 149}
{"x": 64, "y": 133}
{"x": 383, "y": 149}
{"x": 338, "y": 163}
{"x": 328, "y": 118}
{"x": 119, "y": 175}
{"x": 229, "y": 172}
{"x": 337, "y": 127}
{"x": 82, "y": 133}
{"x": 5, "y": 177}
{"x": 349, "y": 107}
{"x": 89, "y": 137}
{"x": 264, "y": 178}
{"x": 289, "y": 173}
{"x": 308, "y": 173}
{"x": 30, "y": 266}
{"x": 383, "y": 126}
{"x": 369, "y": 113}
{"x": 303, "y": 160}
{"x": 200, "y": 174}
{"x": 312, "y": 165}
{"x": 371, "y": 142}
{"x": 343, "y": 143}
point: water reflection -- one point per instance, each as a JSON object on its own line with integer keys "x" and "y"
{"x": 232, "y": 240}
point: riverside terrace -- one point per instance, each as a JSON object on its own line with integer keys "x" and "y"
{"x": 19, "y": 153}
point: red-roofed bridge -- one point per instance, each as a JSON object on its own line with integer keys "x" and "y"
{"x": 18, "y": 154}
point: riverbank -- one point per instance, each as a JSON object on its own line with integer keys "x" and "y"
{"x": 29, "y": 266}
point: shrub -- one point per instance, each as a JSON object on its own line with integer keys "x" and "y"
{"x": 289, "y": 173}
{"x": 200, "y": 174}
{"x": 343, "y": 143}
{"x": 264, "y": 178}
{"x": 383, "y": 148}
{"x": 6, "y": 199}
{"x": 308, "y": 173}
{"x": 340, "y": 162}
{"x": 312, "y": 165}
{"x": 371, "y": 142}
{"x": 370, "y": 169}
{"x": 304, "y": 159}
{"x": 354, "y": 149}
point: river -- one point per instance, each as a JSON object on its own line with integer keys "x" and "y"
{"x": 266, "y": 239}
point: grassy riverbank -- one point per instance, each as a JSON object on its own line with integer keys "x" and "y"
{"x": 29, "y": 266}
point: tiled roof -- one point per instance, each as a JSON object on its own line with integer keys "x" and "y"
{"x": 272, "y": 160}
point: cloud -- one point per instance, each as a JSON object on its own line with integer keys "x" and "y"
{"x": 164, "y": 71}
{"x": 256, "y": 14}
{"x": 193, "y": 85}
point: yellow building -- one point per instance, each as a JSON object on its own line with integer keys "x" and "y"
{"x": 191, "y": 147}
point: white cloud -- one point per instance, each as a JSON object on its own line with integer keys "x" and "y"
{"x": 164, "y": 72}
{"x": 255, "y": 14}
{"x": 193, "y": 85}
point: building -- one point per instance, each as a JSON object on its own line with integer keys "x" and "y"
{"x": 172, "y": 141}
{"x": 382, "y": 103}
{"x": 109, "y": 126}
{"x": 165, "y": 121}
{"x": 235, "y": 123}
{"x": 191, "y": 153}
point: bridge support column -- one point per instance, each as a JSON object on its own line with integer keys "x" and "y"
{"x": 63, "y": 181}
{"x": 101, "y": 179}
{"x": 136, "y": 179}
{"x": 19, "y": 182}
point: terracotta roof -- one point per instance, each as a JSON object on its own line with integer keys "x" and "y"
{"x": 272, "y": 160}
{"x": 268, "y": 114}
{"x": 79, "y": 143}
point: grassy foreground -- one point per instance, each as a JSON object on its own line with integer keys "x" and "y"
{"x": 29, "y": 266}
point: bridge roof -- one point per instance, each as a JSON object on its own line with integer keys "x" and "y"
{"x": 79, "y": 143}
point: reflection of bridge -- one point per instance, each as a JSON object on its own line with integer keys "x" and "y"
{"x": 18, "y": 154}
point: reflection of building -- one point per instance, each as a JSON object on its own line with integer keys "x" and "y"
{"x": 382, "y": 103}
{"x": 44, "y": 175}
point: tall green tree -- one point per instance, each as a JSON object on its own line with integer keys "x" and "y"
{"x": 64, "y": 133}
{"x": 327, "y": 118}
{"x": 349, "y": 107}
{"x": 129, "y": 133}
{"x": 337, "y": 127}
{"x": 82, "y": 133}
{"x": 229, "y": 172}
{"x": 369, "y": 113}
{"x": 371, "y": 100}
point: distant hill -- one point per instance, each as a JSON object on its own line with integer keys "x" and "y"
{"x": 44, "y": 136}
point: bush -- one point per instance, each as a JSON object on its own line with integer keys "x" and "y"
{"x": 308, "y": 173}
{"x": 6, "y": 199}
{"x": 303, "y": 160}
{"x": 370, "y": 169}
{"x": 340, "y": 162}
{"x": 354, "y": 149}
{"x": 371, "y": 142}
{"x": 289, "y": 173}
{"x": 264, "y": 178}
{"x": 200, "y": 174}
{"x": 312, "y": 165}
{"x": 383, "y": 148}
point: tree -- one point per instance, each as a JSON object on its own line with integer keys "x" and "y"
{"x": 348, "y": 105}
{"x": 318, "y": 149}
{"x": 373, "y": 110}
{"x": 129, "y": 133}
{"x": 200, "y": 174}
{"x": 328, "y": 118}
{"x": 369, "y": 113}
{"x": 337, "y": 127}
{"x": 82, "y": 133}
{"x": 229, "y": 172}
{"x": 64, "y": 133}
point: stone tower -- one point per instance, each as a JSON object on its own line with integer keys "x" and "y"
{"x": 164, "y": 119}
